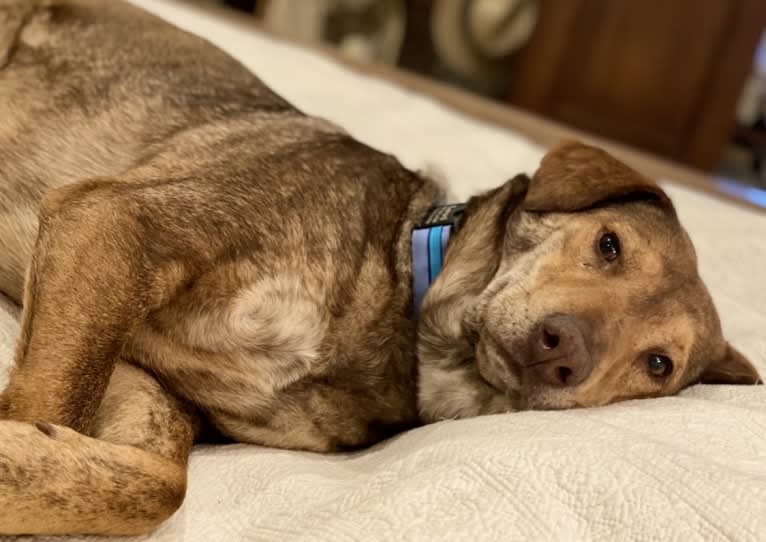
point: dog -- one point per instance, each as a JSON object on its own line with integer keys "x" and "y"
{"x": 197, "y": 258}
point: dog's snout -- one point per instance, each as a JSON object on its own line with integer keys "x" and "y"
{"x": 560, "y": 355}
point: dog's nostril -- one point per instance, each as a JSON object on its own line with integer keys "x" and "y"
{"x": 564, "y": 373}
{"x": 550, "y": 340}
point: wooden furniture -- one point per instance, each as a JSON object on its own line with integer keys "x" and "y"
{"x": 663, "y": 75}
{"x": 544, "y": 132}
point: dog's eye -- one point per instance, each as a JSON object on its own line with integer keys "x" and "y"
{"x": 660, "y": 365}
{"x": 609, "y": 246}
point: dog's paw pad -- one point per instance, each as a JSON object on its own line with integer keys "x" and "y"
{"x": 46, "y": 429}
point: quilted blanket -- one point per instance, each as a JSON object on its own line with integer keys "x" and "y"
{"x": 681, "y": 468}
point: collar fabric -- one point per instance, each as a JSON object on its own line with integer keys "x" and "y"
{"x": 429, "y": 244}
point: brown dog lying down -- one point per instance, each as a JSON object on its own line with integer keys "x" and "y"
{"x": 200, "y": 256}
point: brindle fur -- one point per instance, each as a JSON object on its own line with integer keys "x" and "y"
{"x": 191, "y": 251}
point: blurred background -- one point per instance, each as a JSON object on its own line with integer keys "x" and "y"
{"x": 683, "y": 79}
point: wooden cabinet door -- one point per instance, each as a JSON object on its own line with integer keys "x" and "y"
{"x": 664, "y": 75}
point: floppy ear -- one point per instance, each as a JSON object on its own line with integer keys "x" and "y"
{"x": 573, "y": 177}
{"x": 733, "y": 368}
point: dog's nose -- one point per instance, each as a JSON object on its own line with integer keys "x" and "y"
{"x": 560, "y": 356}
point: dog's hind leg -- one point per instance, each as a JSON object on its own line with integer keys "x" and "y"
{"x": 128, "y": 480}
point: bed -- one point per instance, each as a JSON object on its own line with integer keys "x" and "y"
{"x": 681, "y": 468}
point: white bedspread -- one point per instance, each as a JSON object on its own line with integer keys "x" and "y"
{"x": 683, "y": 468}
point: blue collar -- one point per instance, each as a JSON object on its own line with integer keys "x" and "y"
{"x": 429, "y": 244}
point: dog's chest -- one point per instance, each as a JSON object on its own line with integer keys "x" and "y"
{"x": 239, "y": 349}
{"x": 247, "y": 353}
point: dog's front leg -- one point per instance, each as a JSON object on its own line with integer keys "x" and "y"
{"x": 89, "y": 283}
{"x": 126, "y": 480}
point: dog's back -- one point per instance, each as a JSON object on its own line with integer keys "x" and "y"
{"x": 90, "y": 89}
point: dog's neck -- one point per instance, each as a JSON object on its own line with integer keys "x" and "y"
{"x": 429, "y": 244}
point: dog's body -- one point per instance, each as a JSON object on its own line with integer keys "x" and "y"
{"x": 199, "y": 253}
{"x": 226, "y": 161}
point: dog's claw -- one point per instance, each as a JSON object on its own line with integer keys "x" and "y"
{"x": 46, "y": 428}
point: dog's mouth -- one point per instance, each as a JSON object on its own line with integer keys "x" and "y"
{"x": 496, "y": 366}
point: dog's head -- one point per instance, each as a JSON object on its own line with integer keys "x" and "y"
{"x": 578, "y": 287}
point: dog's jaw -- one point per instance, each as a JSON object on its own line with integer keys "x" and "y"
{"x": 451, "y": 381}
{"x": 459, "y": 392}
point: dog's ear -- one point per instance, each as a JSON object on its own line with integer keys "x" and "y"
{"x": 732, "y": 368}
{"x": 573, "y": 177}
